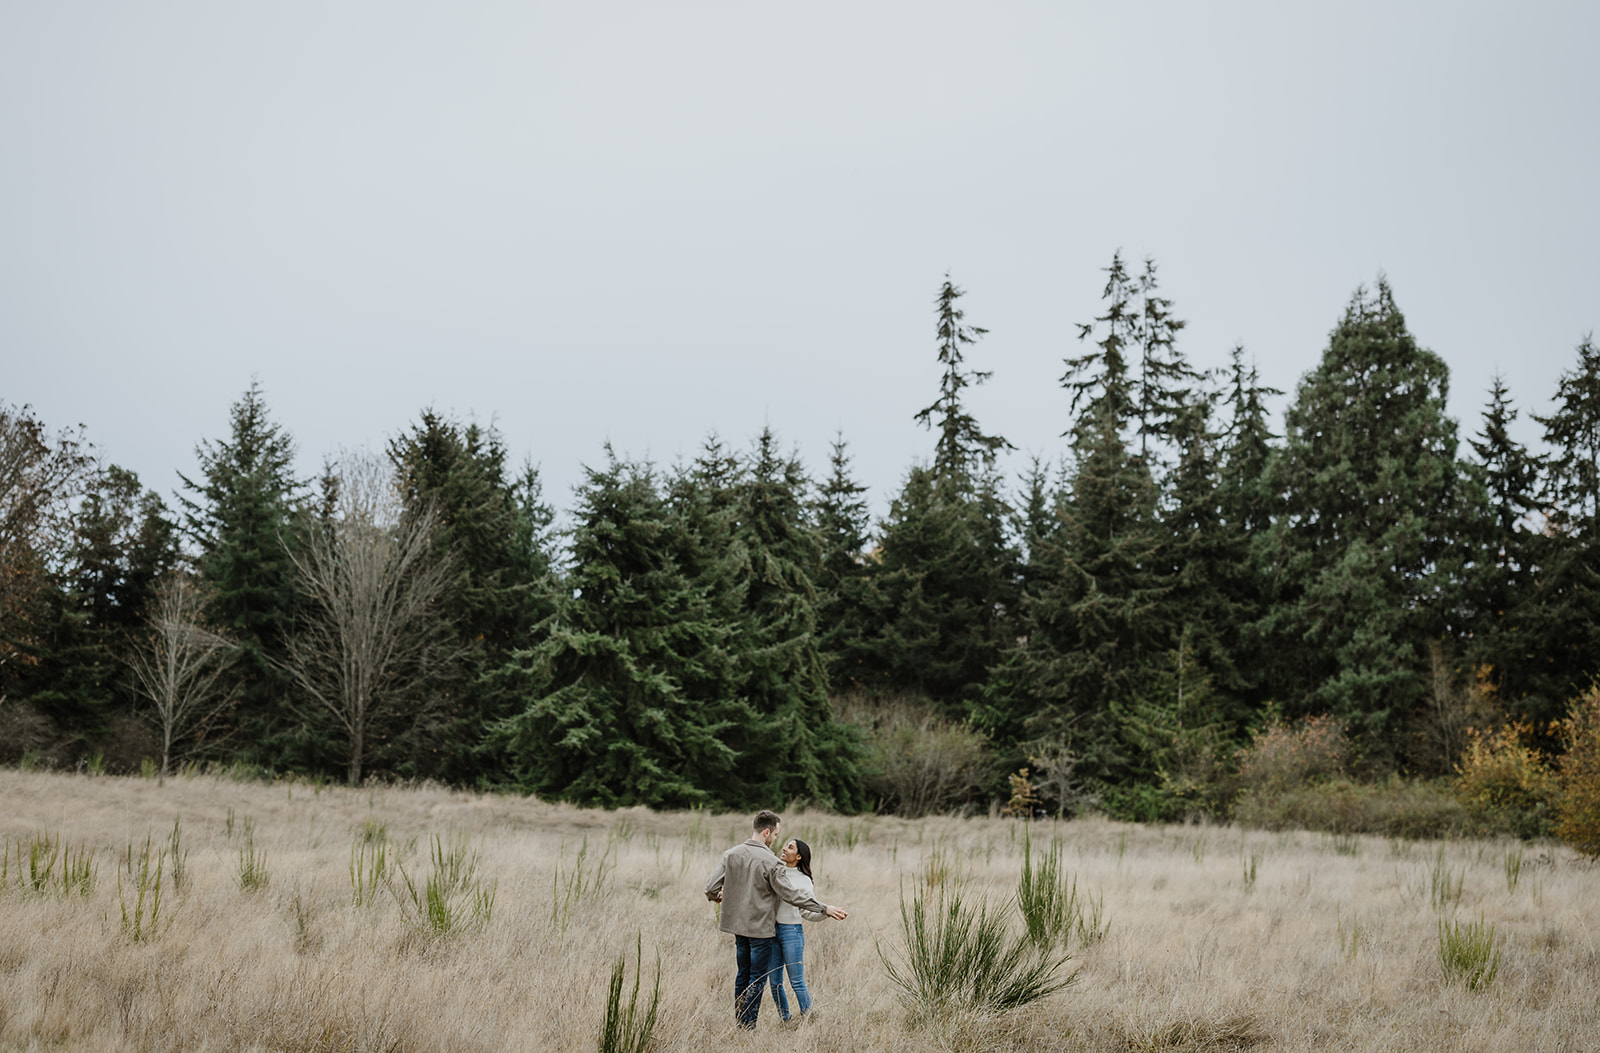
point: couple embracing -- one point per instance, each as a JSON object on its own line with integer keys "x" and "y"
{"x": 764, "y": 899}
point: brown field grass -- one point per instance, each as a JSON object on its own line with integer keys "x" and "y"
{"x": 1334, "y": 947}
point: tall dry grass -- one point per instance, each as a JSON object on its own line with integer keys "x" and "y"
{"x": 1333, "y": 945}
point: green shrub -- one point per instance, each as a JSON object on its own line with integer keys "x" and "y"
{"x": 961, "y": 958}
{"x": 1578, "y": 799}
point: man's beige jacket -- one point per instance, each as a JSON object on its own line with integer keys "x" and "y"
{"x": 752, "y": 880}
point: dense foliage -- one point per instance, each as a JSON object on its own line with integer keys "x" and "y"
{"x": 1144, "y": 625}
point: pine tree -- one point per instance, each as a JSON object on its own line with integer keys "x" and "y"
{"x": 493, "y": 528}
{"x": 844, "y": 528}
{"x": 940, "y": 589}
{"x": 609, "y": 716}
{"x": 1561, "y": 615}
{"x": 1167, "y": 384}
{"x": 1366, "y": 537}
{"x": 1502, "y": 579}
{"x": 242, "y": 518}
{"x": 1093, "y": 629}
{"x": 794, "y": 749}
{"x": 962, "y": 446}
{"x": 1246, "y": 505}
{"x": 120, "y": 542}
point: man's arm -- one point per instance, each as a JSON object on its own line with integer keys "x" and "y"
{"x": 714, "y": 882}
{"x": 796, "y": 896}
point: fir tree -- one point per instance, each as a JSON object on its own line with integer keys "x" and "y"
{"x": 844, "y": 529}
{"x": 962, "y": 446}
{"x": 493, "y": 528}
{"x": 609, "y": 716}
{"x": 1561, "y": 616}
{"x": 1367, "y": 535}
{"x": 794, "y": 749}
{"x": 241, "y": 517}
{"x": 1502, "y": 579}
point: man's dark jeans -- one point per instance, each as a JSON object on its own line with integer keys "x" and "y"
{"x": 757, "y": 955}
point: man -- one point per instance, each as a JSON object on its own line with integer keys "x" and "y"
{"x": 748, "y": 883}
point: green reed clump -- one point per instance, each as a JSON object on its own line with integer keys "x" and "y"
{"x": 451, "y": 900}
{"x": 253, "y": 873}
{"x": 569, "y": 885}
{"x": 1047, "y": 898}
{"x": 624, "y": 1029}
{"x": 139, "y": 897}
{"x": 178, "y": 854}
{"x": 44, "y": 865}
{"x": 958, "y": 957}
{"x": 1469, "y": 955}
{"x": 1444, "y": 883}
{"x": 369, "y": 867}
{"x": 1513, "y": 869}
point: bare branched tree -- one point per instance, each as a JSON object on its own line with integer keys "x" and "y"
{"x": 372, "y": 583}
{"x": 178, "y": 664}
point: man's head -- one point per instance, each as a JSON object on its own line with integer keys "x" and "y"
{"x": 766, "y": 824}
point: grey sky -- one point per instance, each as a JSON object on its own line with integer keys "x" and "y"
{"x": 645, "y": 221}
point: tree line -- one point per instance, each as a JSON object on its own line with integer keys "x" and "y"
{"x": 732, "y": 629}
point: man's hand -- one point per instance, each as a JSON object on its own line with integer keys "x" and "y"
{"x": 715, "y": 897}
{"x": 837, "y": 913}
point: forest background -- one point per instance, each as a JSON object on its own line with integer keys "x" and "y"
{"x": 1193, "y": 611}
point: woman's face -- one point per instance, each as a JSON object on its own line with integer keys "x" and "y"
{"x": 790, "y": 854}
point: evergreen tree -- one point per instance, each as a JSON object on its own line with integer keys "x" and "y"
{"x": 1094, "y": 631}
{"x": 493, "y": 529}
{"x": 242, "y": 517}
{"x": 1246, "y": 505}
{"x": 608, "y": 717}
{"x": 120, "y": 542}
{"x": 962, "y": 445}
{"x": 1502, "y": 580}
{"x": 939, "y": 591}
{"x": 844, "y": 527}
{"x": 1561, "y": 615}
{"x": 1366, "y": 538}
{"x": 1167, "y": 384}
{"x": 794, "y": 749}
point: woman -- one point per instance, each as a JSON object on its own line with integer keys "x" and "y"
{"x": 796, "y": 855}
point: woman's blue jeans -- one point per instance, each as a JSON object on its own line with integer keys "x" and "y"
{"x": 790, "y": 955}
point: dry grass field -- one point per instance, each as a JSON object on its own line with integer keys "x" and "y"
{"x": 1332, "y": 946}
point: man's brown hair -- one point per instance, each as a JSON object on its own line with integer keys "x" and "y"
{"x": 766, "y": 819}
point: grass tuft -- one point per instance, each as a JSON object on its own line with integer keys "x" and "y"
{"x": 1470, "y": 955}
{"x": 141, "y": 918}
{"x": 624, "y": 1029}
{"x": 962, "y": 958}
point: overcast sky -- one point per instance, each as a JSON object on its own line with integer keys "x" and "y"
{"x": 641, "y": 222}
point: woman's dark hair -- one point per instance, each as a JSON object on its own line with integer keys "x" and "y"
{"x": 805, "y": 856}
